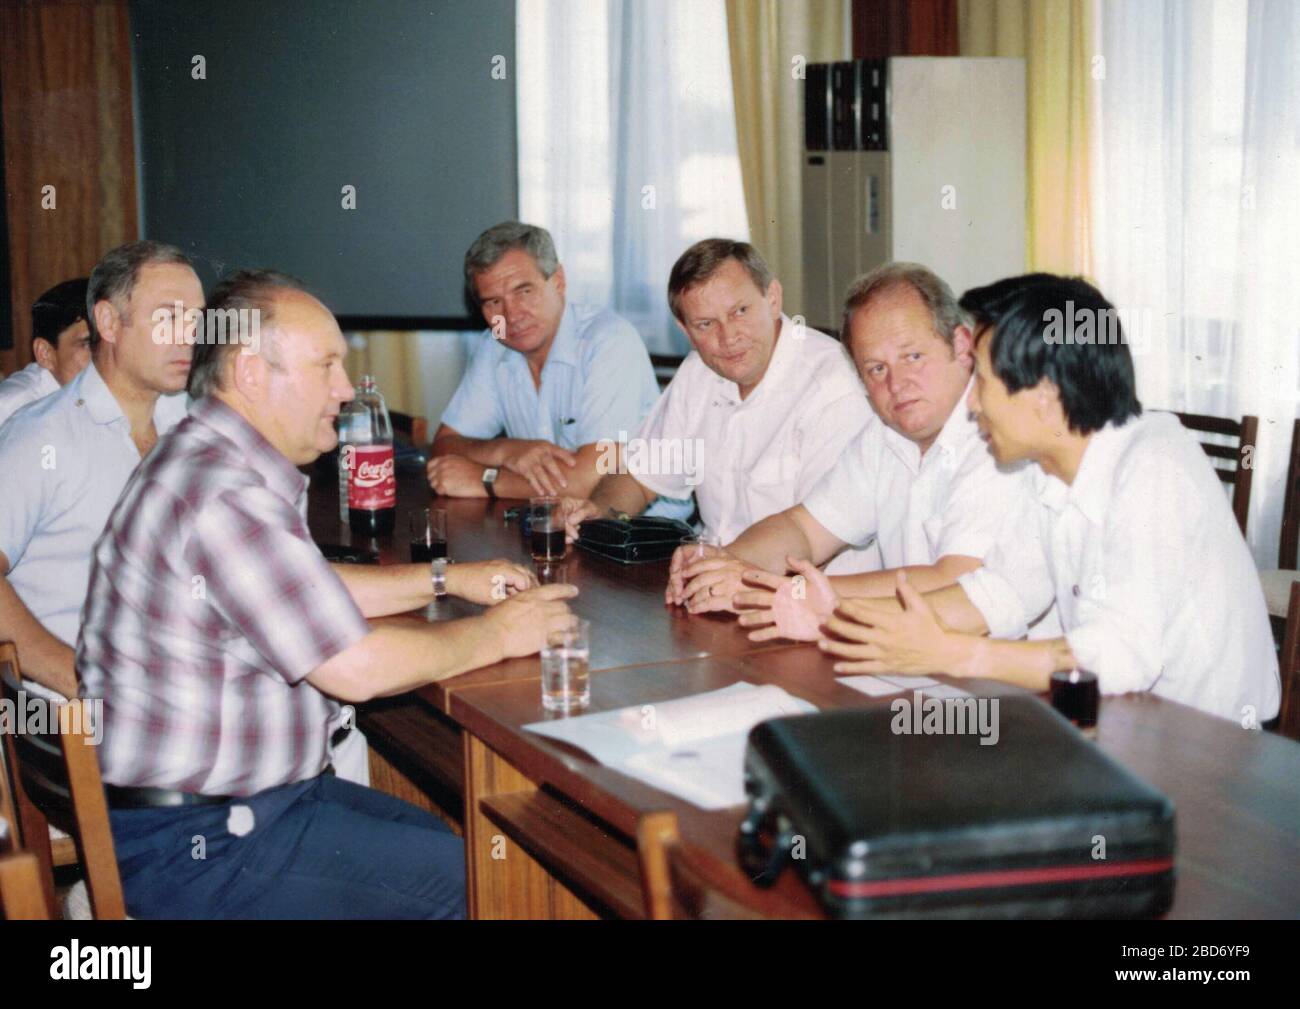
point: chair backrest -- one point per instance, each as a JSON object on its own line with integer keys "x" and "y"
{"x": 1238, "y": 473}
{"x": 672, "y": 886}
{"x": 665, "y": 367}
{"x": 414, "y": 427}
{"x": 1288, "y": 723}
{"x": 22, "y": 898}
{"x": 54, "y": 778}
{"x": 1290, "y": 543}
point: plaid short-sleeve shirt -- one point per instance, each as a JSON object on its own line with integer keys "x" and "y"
{"x": 208, "y": 606}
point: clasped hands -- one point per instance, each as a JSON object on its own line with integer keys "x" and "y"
{"x": 899, "y": 635}
{"x": 541, "y": 463}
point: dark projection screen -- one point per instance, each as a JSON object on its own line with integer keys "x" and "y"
{"x": 247, "y": 166}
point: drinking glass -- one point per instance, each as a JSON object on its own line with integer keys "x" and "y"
{"x": 546, "y": 524}
{"x": 566, "y": 682}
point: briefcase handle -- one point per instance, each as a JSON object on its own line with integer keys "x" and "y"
{"x": 761, "y": 864}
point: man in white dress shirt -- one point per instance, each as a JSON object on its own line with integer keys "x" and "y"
{"x": 67, "y": 457}
{"x": 922, "y": 481}
{"x": 1128, "y": 531}
{"x": 760, "y": 409}
{"x": 60, "y": 344}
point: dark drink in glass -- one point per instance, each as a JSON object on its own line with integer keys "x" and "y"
{"x": 548, "y": 544}
{"x": 546, "y": 528}
{"x": 428, "y": 535}
{"x": 423, "y": 551}
{"x": 1075, "y": 694}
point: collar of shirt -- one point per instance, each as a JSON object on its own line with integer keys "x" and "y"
{"x": 45, "y": 381}
{"x": 94, "y": 394}
{"x": 1091, "y": 490}
{"x": 953, "y": 437}
{"x": 564, "y": 349}
{"x": 784, "y": 356}
{"x": 263, "y": 457}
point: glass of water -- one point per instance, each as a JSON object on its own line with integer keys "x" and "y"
{"x": 701, "y": 546}
{"x": 566, "y": 684}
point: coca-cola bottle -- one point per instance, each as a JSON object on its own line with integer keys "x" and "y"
{"x": 367, "y": 456}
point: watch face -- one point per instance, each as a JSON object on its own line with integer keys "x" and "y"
{"x": 490, "y": 475}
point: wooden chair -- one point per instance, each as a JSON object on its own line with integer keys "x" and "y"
{"x": 1238, "y": 475}
{"x": 1288, "y": 723}
{"x": 1277, "y": 584}
{"x": 54, "y": 778}
{"x": 665, "y": 367}
{"x": 413, "y": 427}
{"x": 22, "y": 898}
{"x": 672, "y": 884}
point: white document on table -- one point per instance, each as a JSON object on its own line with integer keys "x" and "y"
{"x": 692, "y": 747}
{"x": 872, "y": 686}
{"x": 945, "y": 690}
{"x": 886, "y": 686}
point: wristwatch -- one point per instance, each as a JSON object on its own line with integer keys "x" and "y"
{"x": 438, "y": 572}
{"x": 489, "y": 478}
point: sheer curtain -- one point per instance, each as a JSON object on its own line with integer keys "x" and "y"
{"x": 1196, "y": 197}
{"x": 769, "y": 41}
{"x": 627, "y": 144}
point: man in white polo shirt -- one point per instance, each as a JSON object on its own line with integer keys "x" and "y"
{"x": 1127, "y": 531}
{"x": 67, "y": 457}
{"x": 60, "y": 344}
{"x": 755, "y": 414}
{"x": 922, "y": 482}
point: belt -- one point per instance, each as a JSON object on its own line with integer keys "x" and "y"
{"x": 120, "y": 797}
{"x": 124, "y": 797}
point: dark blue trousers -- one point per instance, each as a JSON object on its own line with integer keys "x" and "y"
{"x": 321, "y": 848}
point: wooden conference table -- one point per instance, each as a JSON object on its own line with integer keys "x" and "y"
{"x": 551, "y": 833}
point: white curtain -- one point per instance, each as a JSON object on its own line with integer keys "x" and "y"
{"x": 1196, "y": 196}
{"x": 627, "y": 144}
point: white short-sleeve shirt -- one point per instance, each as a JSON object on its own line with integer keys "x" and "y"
{"x": 597, "y": 381}
{"x": 1155, "y": 586}
{"x": 950, "y": 501}
{"x": 751, "y": 458}
{"x": 64, "y": 461}
{"x": 23, "y": 387}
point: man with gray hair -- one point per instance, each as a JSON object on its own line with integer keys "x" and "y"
{"x": 66, "y": 457}
{"x": 550, "y": 380}
{"x": 922, "y": 482}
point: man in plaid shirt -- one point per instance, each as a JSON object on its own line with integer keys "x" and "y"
{"x": 222, "y": 643}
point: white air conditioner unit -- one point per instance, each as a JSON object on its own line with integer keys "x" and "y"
{"x": 913, "y": 158}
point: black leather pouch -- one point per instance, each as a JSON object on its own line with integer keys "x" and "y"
{"x": 633, "y": 541}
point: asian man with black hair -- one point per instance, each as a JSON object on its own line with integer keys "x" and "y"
{"x": 1128, "y": 531}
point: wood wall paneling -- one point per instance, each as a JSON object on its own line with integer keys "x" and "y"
{"x": 65, "y": 76}
{"x": 904, "y": 28}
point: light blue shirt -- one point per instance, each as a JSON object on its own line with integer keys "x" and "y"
{"x": 63, "y": 462}
{"x": 597, "y": 383}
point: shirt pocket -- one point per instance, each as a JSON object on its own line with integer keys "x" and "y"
{"x": 771, "y": 484}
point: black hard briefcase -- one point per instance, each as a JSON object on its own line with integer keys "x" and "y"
{"x": 634, "y": 540}
{"x": 883, "y": 824}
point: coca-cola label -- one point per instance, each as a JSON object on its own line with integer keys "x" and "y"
{"x": 372, "y": 481}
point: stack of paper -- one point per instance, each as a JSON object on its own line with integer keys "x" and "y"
{"x": 693, "y": 747}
